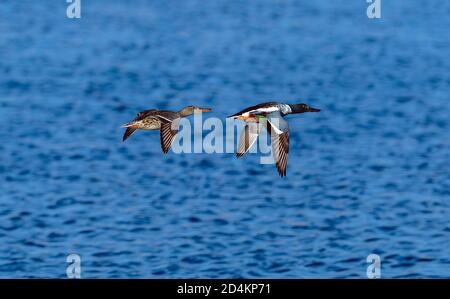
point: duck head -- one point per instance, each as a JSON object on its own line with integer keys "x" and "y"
{"x": 188, "y": 110}
{"x": 302, "y": 108}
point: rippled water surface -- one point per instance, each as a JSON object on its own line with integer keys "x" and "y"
{"x": 369, "y": 174}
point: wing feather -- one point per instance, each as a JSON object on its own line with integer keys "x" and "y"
{"x": 168, "y": 132}
{"x": 128, "y": 133}
{"x": 248, "y": 138}
{"x": 278, "y": 129}
{"x": 280, "y": 146}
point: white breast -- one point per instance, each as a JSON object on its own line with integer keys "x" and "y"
{"x": 285, "y": 109}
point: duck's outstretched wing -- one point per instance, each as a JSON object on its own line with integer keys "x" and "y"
{"x": 248, "y": 137}
{"x": 168, "y": 133}
{"x": 169, "y": 129}
{"x": 280, "y": 146}
{"x": 128, "y": 133}
{"x": 278, "y": 129}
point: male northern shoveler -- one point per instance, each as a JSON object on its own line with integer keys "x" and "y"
{"x": 269, "y": 115}
{"x": 165, "y": 120}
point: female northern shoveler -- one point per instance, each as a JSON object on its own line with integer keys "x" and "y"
{"x": 269, "y": 115}
{"x": 165, "y": 120}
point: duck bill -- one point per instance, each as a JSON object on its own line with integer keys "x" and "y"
{"x": 311, "y": 109}
{"x": 204, "y": 109}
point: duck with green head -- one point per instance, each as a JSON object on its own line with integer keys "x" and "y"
{"x": 269, "y": 115}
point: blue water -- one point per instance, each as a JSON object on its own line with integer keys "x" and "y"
{"x": 369, "y": 174}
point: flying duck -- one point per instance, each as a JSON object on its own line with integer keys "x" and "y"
{"x": 269, "y": 115}
{"x": 164, "y": 120}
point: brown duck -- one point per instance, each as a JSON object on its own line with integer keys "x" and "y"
{"x": 164, "y": 120}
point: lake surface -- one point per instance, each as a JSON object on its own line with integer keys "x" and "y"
{"x": 368, "y": 174}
